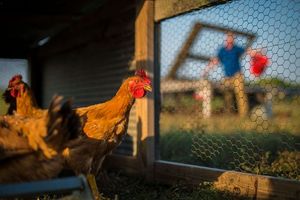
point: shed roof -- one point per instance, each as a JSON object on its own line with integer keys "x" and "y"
{"x": 27, "y": 24}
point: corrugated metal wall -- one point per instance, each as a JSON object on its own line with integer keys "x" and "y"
{"x": 93, "y": 72}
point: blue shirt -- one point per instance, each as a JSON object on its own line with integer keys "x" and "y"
{"x": 230, "y": 58}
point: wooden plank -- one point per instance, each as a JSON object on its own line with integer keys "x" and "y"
{"x": 176, "y": 86}
{"x": 223, "y": 29}
{"x": 144, "y": 58}
{"x": 198, "y": 57}
{"x": 277, "y": 188}
{"x": 169, "y": 8}
{"x": 250, "y": 185}
{"x": 250, "y": 36}
{"x": 171, "y": 172}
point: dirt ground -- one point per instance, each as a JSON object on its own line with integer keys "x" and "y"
{"x": 122, "y": 187}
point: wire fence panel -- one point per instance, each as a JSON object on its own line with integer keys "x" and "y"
{"x": 230, "y": 87}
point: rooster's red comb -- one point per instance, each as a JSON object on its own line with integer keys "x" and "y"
{"x": 14, "y": 78}
{"x": 141, "y": 73}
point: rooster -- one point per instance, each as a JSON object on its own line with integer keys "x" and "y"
{"x": 20, "y": 161}
{"x": 20, "y": 98}
{"x": 104, "y": 125}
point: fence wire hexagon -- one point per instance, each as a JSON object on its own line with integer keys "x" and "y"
{"x": 230, "y": 86}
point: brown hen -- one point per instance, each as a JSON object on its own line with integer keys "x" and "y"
{"x": 22, "y": 161}
{"x": 20, "y": 98}
{"x": 105, "y": 124}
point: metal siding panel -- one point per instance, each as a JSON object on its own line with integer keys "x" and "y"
{"x": 93, "y": 74}
{"x": 129, "y": 144}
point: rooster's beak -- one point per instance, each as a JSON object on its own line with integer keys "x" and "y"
{"x": 148, "y": 88}
{"x": 8, "y": 89}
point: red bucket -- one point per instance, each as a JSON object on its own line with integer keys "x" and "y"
{"x": 258, "y": 64}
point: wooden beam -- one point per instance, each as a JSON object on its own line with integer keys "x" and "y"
{"x": 169, "y": 8}
{"x": 144, "y": 58}
{"x": 171, "y": 172}
{"x": 250, "y": 36}
{"x": 184, "y": 51}
{"x": 250, "y": 185}
{"x": 198, "y": 57}
{"x": 223, "y": 29}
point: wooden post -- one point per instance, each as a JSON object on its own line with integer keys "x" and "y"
{"x": 184, "y": 51}
{"x": 144, "y": 58}
{"x": 206, "y": 92}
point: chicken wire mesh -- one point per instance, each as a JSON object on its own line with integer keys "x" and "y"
{"x": 217, "y": 116}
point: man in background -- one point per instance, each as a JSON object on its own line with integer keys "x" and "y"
{"x": 229, "y": 56}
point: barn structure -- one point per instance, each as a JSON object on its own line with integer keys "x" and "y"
{"x": 84, "y": 49}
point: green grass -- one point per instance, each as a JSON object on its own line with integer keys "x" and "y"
{"x": 286, "y": 117}
{"x": 277, "y": 154}
{"x": 274, "y": 82}
{"x": 270, "y": 147}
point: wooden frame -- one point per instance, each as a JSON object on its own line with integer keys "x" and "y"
{"x": 185, "y": 50}
{"x": 144, "y": 58}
